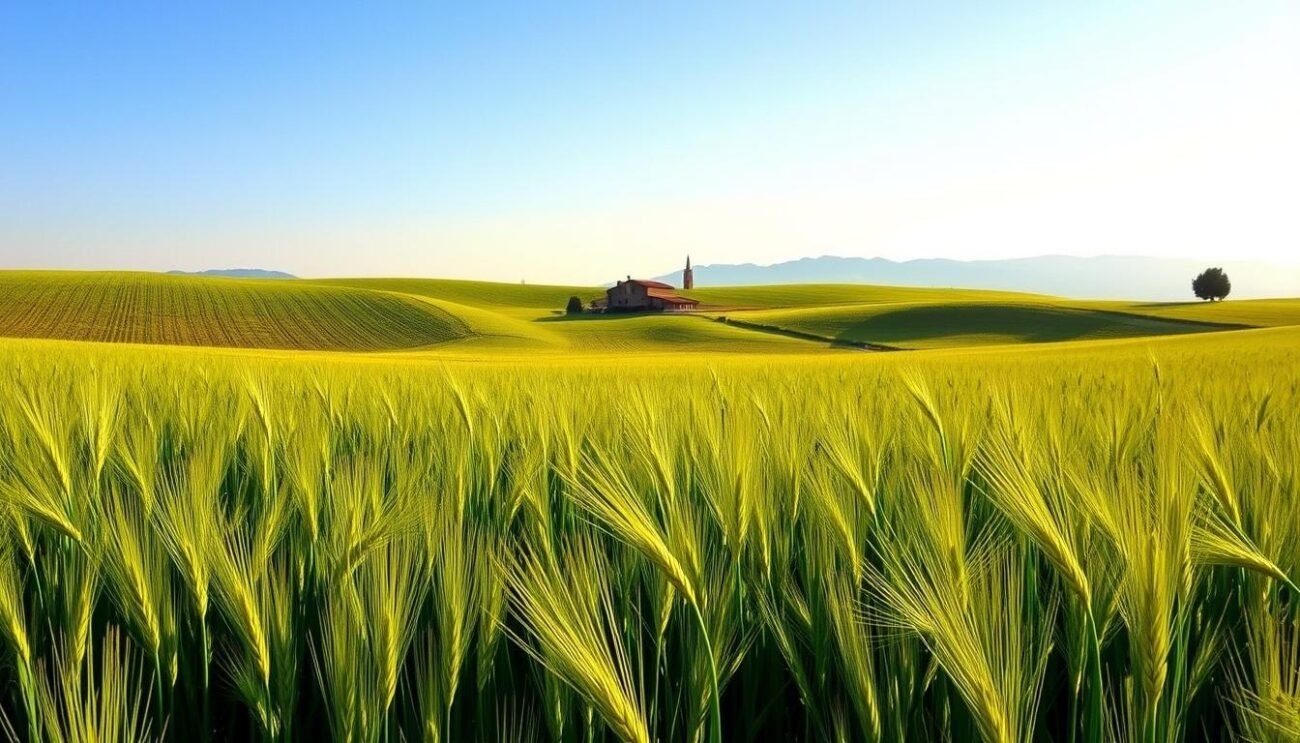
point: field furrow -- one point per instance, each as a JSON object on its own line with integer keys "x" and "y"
{"x": 161, "y": 309}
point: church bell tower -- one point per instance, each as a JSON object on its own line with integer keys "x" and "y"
{"x": 688, "y": 276}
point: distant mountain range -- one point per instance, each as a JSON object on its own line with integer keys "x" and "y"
{"x": 237, "y": 273}
{"x": 1101, "y": 277}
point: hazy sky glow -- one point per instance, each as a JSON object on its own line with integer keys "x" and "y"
{"x": 579, "y": 143}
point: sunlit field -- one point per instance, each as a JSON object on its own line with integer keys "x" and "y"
{"x": 485, "y": 519}
{"x": 190, "y": 311}
{"x": 772, "y": 539}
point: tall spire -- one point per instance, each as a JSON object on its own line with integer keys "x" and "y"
{"x": 688, "y": 276}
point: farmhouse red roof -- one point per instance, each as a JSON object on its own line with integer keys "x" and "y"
{"x": 667, "y": 295}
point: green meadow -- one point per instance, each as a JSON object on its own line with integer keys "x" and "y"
{"x": 396, "y": 510}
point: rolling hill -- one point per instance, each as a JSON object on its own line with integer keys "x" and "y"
{"x": 505, "y": 318}
{"x": 1255, "y": 313}
{"x": 195, "y": 311}
{"x": 469, "y": 318}
{"x": 962, "y": 318}
{"x": 920, "y": 325}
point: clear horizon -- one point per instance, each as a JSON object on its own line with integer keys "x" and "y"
{"x": 573, "y": 144}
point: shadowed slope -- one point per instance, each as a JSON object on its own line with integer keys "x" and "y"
{"x": 941, "y": 325}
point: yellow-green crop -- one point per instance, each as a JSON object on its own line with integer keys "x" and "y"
{"x": 194, "y": 311}
{"x": 1085, "y": 541}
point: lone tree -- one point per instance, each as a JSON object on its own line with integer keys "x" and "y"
{"x": 1212, "y": 284}
{"x": 575, "y": 306}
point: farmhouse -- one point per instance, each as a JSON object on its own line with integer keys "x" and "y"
{"x": 639, "y": 295}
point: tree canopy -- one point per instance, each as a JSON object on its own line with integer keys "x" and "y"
{"x": 1211, "y": 284}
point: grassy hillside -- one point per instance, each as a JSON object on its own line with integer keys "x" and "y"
{"x": 1259, "y": 313}
{"x": 505, "y": 316}
{"x": 512, "y": 317}
{"x": 195, "y": 311}
{"x": 488, "y": 317}
{"x": 948, "y": 324}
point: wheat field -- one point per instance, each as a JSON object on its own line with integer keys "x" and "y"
{"x": 125, "y": 307}
{"x": 1092, "y": 544}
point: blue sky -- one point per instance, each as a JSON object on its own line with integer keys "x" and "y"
{"x": 575, "y": 142}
